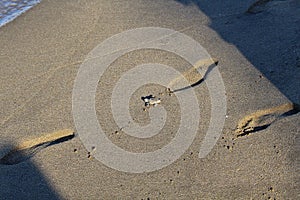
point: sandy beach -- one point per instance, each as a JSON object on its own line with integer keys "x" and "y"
{"x": 257, "y": 54}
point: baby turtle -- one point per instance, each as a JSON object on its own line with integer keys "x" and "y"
{"x": 151, "y": 100}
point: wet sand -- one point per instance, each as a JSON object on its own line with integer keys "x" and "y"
{"x": 42, "y": 50}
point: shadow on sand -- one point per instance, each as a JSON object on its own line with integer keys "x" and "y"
{"x": 23, "y": 180}
{"x": 270, "y": 39}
